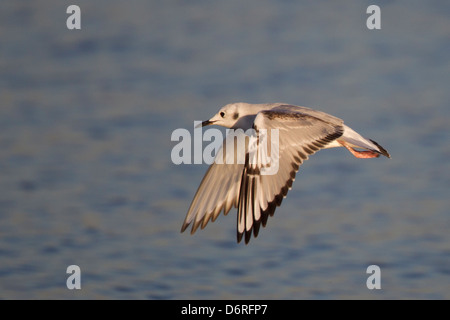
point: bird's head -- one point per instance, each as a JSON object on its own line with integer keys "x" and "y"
{"x": 227, "y": 116}
{"x": 235, "y": 115}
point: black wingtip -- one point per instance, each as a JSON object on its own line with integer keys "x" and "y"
{"x": 239, "y": 237}
{"x": 184, "y": 227}
{"x": 256, "y": 226}
{"x": 383, "y": 151}
{"x": 248, "y": 235}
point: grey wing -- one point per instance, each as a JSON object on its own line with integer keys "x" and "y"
{"x": 219, "y": 189}
{"x": 300, "y": 134}
{"x": 281, "y": 108}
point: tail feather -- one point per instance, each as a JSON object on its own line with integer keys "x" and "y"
{"x": 382, "y": 150}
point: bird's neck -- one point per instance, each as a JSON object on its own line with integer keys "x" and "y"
{"x": 246, "y": 121}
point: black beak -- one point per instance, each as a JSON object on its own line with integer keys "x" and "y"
{"x": 205, "y": 123}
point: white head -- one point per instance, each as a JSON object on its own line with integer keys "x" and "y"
{"x": 230, "y": 114}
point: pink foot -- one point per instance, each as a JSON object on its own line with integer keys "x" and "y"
{"x": 361, "y": 154}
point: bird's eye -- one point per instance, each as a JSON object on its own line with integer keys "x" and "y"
{"x": 222, "y": 114}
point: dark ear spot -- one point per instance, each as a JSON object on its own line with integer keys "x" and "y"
{"x": 235, "y": 116}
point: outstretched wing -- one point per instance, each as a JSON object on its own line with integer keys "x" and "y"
{"x": 266, "y": 176}
{"x": 219, "y": 189}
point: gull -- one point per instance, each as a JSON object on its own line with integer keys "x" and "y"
{"x": 301, "y": 132}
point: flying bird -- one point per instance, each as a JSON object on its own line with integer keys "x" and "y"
{"x": 242, "y": 184}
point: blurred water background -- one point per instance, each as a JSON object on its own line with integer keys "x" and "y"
{"x": 86, "y": 177}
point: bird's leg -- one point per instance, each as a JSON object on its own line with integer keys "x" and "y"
{"x": 360, "y": 154}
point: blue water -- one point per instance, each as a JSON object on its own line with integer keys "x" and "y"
{"x": 86, "y": 176}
